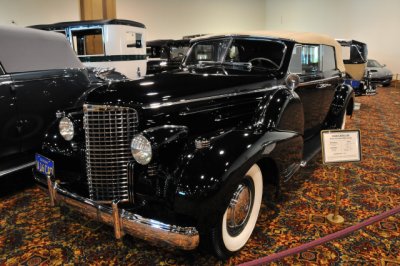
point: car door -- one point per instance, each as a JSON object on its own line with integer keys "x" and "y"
{"x": 9, "y": 135}
{"x": 315, "y": 90}
{"x": 331, "y": 78}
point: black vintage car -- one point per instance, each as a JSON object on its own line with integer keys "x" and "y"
{"x": 165, "y": 55}
{"x": 39, "y": 74}
{"x": 180, "y": 158}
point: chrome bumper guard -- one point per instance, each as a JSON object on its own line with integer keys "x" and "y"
{"x": 125, "y": 222}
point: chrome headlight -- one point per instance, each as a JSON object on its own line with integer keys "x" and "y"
{"x": 66, "y": 128}
{"x": 141, "y": 149}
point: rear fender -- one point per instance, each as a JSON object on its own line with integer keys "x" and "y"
{"x": 343, "y": 101}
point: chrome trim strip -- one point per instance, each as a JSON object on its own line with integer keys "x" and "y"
{"x": 153, "y": 231}
{"x": 302, "y": 84}
{"x": 152, "y": 129}
{"x": 183, "y": 101}
{"x": 8, "y": 82}
{"x": 17, "y": 168}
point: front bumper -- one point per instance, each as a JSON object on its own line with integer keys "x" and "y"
{"x": 125, "y": 222}
{"x": 382, "y": 80}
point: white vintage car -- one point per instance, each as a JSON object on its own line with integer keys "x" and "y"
{"x": 117, "y": 44}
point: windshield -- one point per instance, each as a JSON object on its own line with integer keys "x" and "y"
{"x": 172, "y": 52}
{"x": 255, "y": 53}
{"x": 373, "y": 63}
{"x": 178, "y": 52}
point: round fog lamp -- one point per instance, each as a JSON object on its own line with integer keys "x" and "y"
{"x": 141, "y": 149}
{"x": 66, "y": 128}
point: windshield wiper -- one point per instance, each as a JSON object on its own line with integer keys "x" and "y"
{"x": 230, "y": 65}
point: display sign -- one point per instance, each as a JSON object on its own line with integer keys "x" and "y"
{"x": 340, "y": 146}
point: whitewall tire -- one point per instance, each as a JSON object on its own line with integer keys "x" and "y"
{"x": 240, "y": 217}
{"x": 343, "y": 125}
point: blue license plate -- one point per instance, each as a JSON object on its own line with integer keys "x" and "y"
{"x": 44, "y": 165}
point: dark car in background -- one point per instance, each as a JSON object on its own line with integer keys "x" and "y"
{"x": 379, "y": 74}
{"x": 182, "y": 157}
{"x": 164, "y": 55}
{"x": 39, "y": 74}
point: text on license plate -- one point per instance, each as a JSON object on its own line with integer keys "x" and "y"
{"x": 44, "y": 165}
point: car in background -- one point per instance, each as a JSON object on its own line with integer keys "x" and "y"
{"x": 181, "y": 157}
{"x": 164, "y": 55}
{"x": 114, "y": 44}
{"x": 355, "y": 54}
{"x": 379, "y": 74}
{"x": 39, "y": 74}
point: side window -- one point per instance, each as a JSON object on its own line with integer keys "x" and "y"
{"x": 88, "y": 41}
{"x": 354, "y": 53}
{"x": 133, "y": 40}
{"x": 295, "y": 62}
{"x": 306, "y": 60}
{"x": 310, "y": 59}
{"x": 328, "y": 58}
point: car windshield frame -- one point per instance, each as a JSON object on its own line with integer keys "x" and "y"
{"x": 226, "y": 43}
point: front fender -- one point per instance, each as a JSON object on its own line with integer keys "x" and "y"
{"x": 167, "y": 140}
{"x": 208, "y": 176}
{"x": 282, "y": 110}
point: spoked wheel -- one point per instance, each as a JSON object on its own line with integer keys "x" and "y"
{"x": 239, "y": 219}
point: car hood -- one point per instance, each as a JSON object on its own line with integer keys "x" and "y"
{"x": 177, "y": 86}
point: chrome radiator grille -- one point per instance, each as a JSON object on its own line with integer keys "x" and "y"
{"x": 108, "y": 133}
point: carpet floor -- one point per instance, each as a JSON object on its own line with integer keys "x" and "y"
{"x": 33, "y": 233}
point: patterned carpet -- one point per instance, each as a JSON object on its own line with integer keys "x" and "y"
{"x": 33, "y": 233}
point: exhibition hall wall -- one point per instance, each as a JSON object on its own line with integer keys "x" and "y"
{"x": 174, "y": 18}
{"x": 373, "y": 22}
{"x": 370, "y": 21}
{"x": 29, "y": 12}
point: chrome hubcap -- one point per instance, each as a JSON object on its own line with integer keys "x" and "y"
{"x": 239, "y": 209}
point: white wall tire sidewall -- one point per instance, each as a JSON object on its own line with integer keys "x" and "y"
{"x": 237, "y": 242}
{"x": 343, "y": 126}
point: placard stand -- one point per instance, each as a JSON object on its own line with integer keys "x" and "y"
{"x": 335, "y": 218}
{"x": 340, "y": 146}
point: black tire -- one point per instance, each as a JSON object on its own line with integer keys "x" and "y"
{"x": 237, "y": 223}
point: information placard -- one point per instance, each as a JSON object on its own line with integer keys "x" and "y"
{"x": 340, "y": 146}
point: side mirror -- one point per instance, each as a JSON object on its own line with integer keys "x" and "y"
{"x": 292, "y": 81}
{"x": 384, "y": 65}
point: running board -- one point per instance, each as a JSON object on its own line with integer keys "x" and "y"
{"x": 311, "y": 148}
{"x": 17, "y": 168}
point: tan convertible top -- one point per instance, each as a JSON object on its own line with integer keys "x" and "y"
{"x": 299, "y": 37}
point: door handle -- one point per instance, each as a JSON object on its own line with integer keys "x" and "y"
{"x": 323, "y": 85}
{"x": 12, "y": 89}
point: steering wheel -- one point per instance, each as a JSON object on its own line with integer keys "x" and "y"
{"x": 258, "y": 61}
